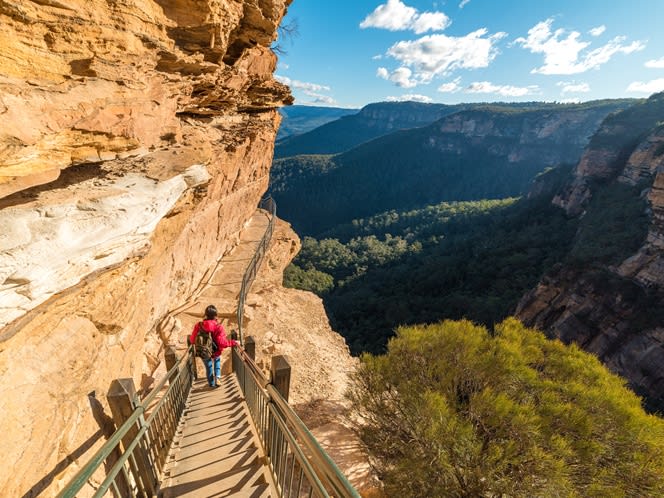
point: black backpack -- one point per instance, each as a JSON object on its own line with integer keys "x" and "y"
{"x": 205, "y": 345}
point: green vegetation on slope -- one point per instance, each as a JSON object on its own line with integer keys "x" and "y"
{"x": 453, "y": 260}
{"x": 613, "y": 228}
{"x": 453, "y": 410}
{"x": 400, "y": 172}
{"x": 484, "y": 152}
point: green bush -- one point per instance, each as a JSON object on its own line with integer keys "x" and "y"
{"x": 453, "y": 410}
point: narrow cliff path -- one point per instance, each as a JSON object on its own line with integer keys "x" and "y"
{"x": 216, "y": 452}
{"x": 222, "y": 285}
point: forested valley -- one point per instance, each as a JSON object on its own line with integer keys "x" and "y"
{"x": 398, "y": 232}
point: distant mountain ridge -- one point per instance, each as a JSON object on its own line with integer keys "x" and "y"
{"x": 372, "y": 121}
{"x": 298, "y": 119}
{"x": 482, "y": 151}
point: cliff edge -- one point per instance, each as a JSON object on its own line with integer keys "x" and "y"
{"x": 136, "y": 142}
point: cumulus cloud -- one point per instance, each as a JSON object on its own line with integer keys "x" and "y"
{"x": 503, "y": 90}
{"x": 411, "y": 97}
{"x": 572, "y": 87}
{"x": 565, "y": 53}
{"x": 652, "y": 86}
{"x": 655, "y": 63}
{"x": 463, "y": 3}
{"x": 301, "y": 85}
{"x": 451, "y": 86}
{"x": 597, "y": 31}
{"x": 401, "y": 76}
{"x": 309, "y": 89}
{"x": 396, "y": 16}
{"x": 317, "y": 98}
{"x": 439, "y": 54}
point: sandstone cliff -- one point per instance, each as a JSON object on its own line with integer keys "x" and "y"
{"x": 541, "y": 136}
{"x": 615, "y": 310}
{"x": 135, "y": 143}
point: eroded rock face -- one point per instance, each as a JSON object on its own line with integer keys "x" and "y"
{"x": 547, "y": 137}
{"x": 135, "y": 143}
{"x": 614, "y": 312}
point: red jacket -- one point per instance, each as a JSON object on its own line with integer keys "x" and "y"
{"x": 218, "y": 336}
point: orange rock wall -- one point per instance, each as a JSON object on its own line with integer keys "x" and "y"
{"x": 113, "y": 111}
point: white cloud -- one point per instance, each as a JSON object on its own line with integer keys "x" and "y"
{"x": 300, "y": 85}
{"x": 401, "y": 76}
{"x": 573, "y": 100}
{"x": 309, "y": 89}
{"x": 396, "y": 15}
{"x": 503, "y": 90}
{"x": 572, "y": 87}
{"x": 450, "y": 87}
{"x": 438, "y": 54}
{"x": 563, "y": 52}
{"x": 653, "y": 86}
{"x": 411, "y": 97}
{"x": 655, "y": 63}
{"x": 463, "y": 3}
{"x": 320, "y": 99}
{"x": 430, "y": 21}
{"x": 597, "y": 31}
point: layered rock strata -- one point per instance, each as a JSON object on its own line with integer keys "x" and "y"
{"x": 135, "y": 143}
{"x": 614, "y": 311}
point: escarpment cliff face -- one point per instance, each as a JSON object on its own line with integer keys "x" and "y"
{"x": 541, "y": 136}
{"x": 135, "y": 142}
{"x": 613, "y": 306}
{"x": 486, "y": 152}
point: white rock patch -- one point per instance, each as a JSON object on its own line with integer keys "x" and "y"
{"x": 45, "y": 249}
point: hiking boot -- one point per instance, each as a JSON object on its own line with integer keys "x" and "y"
{"x": 217, "y": 383}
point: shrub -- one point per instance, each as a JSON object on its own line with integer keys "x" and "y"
{"x": 454, "y": 411}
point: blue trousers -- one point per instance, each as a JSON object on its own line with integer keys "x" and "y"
{"x": 212, "y": 369}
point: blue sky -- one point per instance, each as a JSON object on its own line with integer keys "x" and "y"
{"x": 348, "y": 53}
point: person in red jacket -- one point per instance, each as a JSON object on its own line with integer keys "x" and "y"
{"x": 210, "y": 324}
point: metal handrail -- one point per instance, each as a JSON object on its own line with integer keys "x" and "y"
{"x": 267, "y": 407}
{"x": 270, "y": 206}
{"x": 181, "y": 380}
{"x": 297, "y": 462}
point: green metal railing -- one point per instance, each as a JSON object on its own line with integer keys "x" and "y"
{"x": 136, "y": 452}
{"x": 270, "y": 206}
{"x": 299, "y": 466}
{"x": 136, "y": 464}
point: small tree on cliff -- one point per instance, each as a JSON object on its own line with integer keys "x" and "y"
{"x": 452, "y": 411}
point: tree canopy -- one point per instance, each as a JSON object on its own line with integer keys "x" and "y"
{"x": 453, "y": 410}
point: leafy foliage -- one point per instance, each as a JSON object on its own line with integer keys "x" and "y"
{"x": 614, "y": 226}
{"x": 452, "y": 260}
{"x": 455, "y": 411}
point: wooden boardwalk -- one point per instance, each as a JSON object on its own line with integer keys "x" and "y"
{"x": 216, "y": 452}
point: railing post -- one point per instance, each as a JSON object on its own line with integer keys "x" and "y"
{"x": 280, "y": 372}
{"x": 171, "y": 359}
{"x": 122, "y": 399}
{"x": 250, "y": 347}
{"x": 192, "y": 360}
